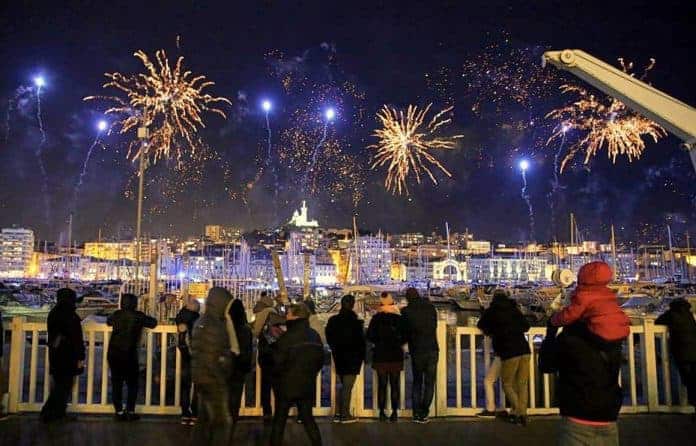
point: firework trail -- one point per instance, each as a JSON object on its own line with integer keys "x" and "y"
{"x": 20, "y": 92}
{"x": 39, "y": 153}
{"x": 83, "y": 172}
{"x": 556, "y": 183}
{"x": 527, "y": 199}
{"x": 315, "y": 153}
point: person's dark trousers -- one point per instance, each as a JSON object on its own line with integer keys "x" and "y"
{"x": 266, "y": 386}
{"x": 347, "y": 382}
{"x": 213, "y": 427}
{"x": 394, "y": 389}
{"x": 687, "y": 373}
{"x": 124, "y": 369}
{"x": 304, "y": 412}
{"x": 424, "y": 372}
{"x": 188, "y": 407}
{"x": 57, "y": 402}
{"x": 236, "y": 388}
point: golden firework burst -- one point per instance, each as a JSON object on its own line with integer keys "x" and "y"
{"x": 170, "y": 102}
{"x": 405, "y": 143}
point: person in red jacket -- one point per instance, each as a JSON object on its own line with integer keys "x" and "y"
{"x": 595, "y": 304}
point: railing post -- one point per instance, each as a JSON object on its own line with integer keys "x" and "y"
{"x": 650, "y": 364}
{"x": 16, "y": 363}
{"x": 441, "y": 381}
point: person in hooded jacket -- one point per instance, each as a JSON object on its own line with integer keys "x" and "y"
{"x": 262, "y": 310}
{"x": 128, "y": 324}
{"x": 679, "y": 319}
{"x": 244, "y": 362}
{"x": 595, "y": 305}
{"x": 387, "y": 334}
{"x": 346, "y": 337}
{"x": 504, "y": 323}
{"x": 212, "y": 358}
{"x": 420, "y": 322}
{"x": 185, "y": 320}
{"x": 66, "y": 353}
{"x": 298, "y": 357}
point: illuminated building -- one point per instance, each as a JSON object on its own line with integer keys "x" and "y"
{"x": 498, "y": 269}
{"x": 372, "y": 261}
{"x": 16, "y": 251}
{"x": 449, "y": 270}
{"x": 407, "y": 239}
{"x": 300, "y": 218}
{"x": 477, "y": 247}
{"x": 223, "y": 234}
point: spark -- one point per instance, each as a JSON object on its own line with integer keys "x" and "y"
{"x": 166, "y": 99}
{"x": 405, "y": 143}
{"x": 603, "y": 122}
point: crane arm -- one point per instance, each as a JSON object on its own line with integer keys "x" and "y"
{"x": 675, "y": 116}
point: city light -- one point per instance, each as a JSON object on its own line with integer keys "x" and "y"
{"x": 266, "y": 105}
{"x": 524, "y": 165}
{"x": 102, "y": 125}
{"x": 39, "y": 81}
{"x": 330, "y": 114}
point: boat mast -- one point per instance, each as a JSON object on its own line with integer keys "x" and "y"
{"x": 613, "y": 252}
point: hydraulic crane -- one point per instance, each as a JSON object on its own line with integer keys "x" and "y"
{"x": 675, "y": 116}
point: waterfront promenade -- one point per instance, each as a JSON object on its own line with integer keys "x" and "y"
{"x": 25, "y": 430}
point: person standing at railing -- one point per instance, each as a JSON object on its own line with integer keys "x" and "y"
{"x": 128, "y": 324}
{"x": 420, "y": 321}
{"x": 504, "y": 323}
{"x": 185, "y": 320}
{"x": 244, "y": 361}
{"x": 212, "y": 358}
{"x": 346, "y": 337}
{"x": 298, "y": 357}
{"x": 263, "y": 331}
{"x": 66, "y": 353}
{"x": 679, "y": 319}
{"x": 387, "y": 334}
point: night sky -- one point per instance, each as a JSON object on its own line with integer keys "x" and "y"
{"x": 355, "y": 56}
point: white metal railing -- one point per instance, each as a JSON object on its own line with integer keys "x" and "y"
{"x": 465, "y": 354}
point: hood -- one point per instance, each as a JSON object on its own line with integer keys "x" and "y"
{"x": 217, "y": 301}
{"x": 412, "y": 295}
{"x": 302, "y": 322}
{"x": 66, "y": 298}
{"x": 263, "y": 303}
{"x": 595, "y": 274}
{"x": 129, "y": 301}
{"x": 501, "y": 300}
{"x": 680, "y": 305}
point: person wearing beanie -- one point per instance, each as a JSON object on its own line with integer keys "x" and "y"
{"x": 185, "y": 320}
{"x": 128, "y": 324}
{"x": 386, "y": 332}
{"x": 420, "y": 322}
{"x": 66, "y": 353}
{"x": 346, "y": 337}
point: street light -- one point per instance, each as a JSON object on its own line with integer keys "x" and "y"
{"x": 143, "y": 134}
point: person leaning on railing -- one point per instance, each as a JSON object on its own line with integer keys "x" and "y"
{"x": 185, "y": 320}
{"x": 682, "y": 343}
{"x": 504, "y": 323}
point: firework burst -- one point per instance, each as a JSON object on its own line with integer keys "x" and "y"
{"x": 405, "y": 144}
{"x": 604, "y": 122}
{"x": 167, "y": 100}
